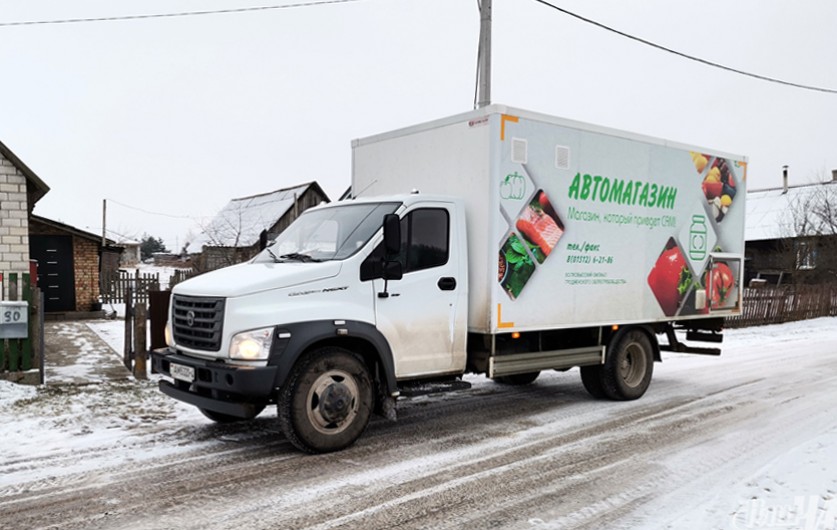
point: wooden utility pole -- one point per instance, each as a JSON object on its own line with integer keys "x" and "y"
{"x": 104, "y": 221}
{"x": 484, "y": 67}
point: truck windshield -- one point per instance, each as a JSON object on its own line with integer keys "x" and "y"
{"x": 332, "y": 233}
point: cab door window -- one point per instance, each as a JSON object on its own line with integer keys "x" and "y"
{"x": 424, "y": 239}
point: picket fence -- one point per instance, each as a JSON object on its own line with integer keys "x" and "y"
{"x": 786, "y": 303}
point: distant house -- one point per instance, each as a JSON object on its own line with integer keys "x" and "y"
{"x": 791, "y": 234}
{"x": 233, "y": 235}
{"x": 132, "y": 255}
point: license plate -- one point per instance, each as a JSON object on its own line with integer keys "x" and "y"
{"x": 182, "y": 373}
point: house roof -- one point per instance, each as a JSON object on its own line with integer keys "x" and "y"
{"x": 241, "y": 221}
{"x": 39, "y": 187}
{"x": 774, "y": 213}
{"x": 71, "y": 229}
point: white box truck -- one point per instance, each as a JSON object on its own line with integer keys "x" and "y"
{"x": 499, "y": 241}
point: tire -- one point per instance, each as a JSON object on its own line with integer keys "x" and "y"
{"x": 591, "y": 378}
{"x": 326, "y": 403}
{"x": 628, "y": 367}
{"x": 517, "y": 379}
{"x": 219, "y": 417}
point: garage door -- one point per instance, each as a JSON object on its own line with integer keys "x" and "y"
{"x": 55, "y": 271}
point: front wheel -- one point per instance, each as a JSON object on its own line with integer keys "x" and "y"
{"x": 628, "y": 367}
{"x": 326, "y": 403}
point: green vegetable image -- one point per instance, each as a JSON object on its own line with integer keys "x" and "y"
{"x": 513, "y": 187}
{"x": 516, "y": 266}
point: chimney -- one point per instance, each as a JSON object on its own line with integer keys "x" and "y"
{"x": 834, "y": 175}
{"x": 784, "y": 179}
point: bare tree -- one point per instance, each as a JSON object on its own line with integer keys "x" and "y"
{"x": 809, "y": 245}
{"x": 228, "y": 238}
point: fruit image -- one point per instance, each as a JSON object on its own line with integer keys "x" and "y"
{"x": 670, "y": 279}
{"x": 712, "y": 189}
{"x": 719, "y": 188}
{"x": 700, "y": 161}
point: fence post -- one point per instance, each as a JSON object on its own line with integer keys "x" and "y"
{"x": 129, "y": 341}
{"x": 140, "y": 352}
{"x": 26, "y": 344}
{"x": 38, "y": 345}
{"x": 14, "y": 353}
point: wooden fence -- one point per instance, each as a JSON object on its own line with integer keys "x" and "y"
{"x": 180, "y": 275}
{"x": 115, "y": 286}
{"x": 774, "y": 305}
{"x": 21, "y": 359}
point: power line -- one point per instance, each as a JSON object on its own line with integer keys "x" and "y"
{"x": 685, "y": 55}
{"x": 174, "y": 15}
{"x": 171, "y": 216}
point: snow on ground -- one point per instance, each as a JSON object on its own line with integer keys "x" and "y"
{"x": 85, "y": 427}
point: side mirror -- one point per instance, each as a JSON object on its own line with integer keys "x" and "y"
{"x": 392, "y": 234}
{"x": 390, "y": 266}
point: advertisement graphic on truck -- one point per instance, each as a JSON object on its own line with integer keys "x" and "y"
{"x": 628, "y": 227}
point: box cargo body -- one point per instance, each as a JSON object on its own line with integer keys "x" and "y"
{"x": 572, "y": 225}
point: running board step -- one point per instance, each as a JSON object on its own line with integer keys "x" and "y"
{"x": 521, "y": 363}
{"x": 422, "y": 388}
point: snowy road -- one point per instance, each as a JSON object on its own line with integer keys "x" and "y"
{"x": 747, "y": 440}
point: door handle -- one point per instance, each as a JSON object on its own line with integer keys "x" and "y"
{"x": 447, "y": 283}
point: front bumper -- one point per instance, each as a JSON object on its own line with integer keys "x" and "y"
{"x": 220, "y": 387}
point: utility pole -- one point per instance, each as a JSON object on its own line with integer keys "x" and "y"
{"x": 104, "y": 221}
{"x": 484, "y": 69}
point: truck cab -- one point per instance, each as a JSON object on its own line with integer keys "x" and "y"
{"x": 327, "y": 320}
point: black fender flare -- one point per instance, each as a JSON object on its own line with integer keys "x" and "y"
{"x": 292, "y": 340}
{"x": 613, "y": 338}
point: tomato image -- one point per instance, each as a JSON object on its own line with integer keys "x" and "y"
{"x": 670, "y": 279}
{"x": 720, "y": 284}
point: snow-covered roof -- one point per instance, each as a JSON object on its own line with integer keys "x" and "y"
{"x": 241, "y": 221}
{"x": 775, "y": 213}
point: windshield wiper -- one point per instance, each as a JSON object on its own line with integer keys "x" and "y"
{"x": 296, "y": 256}
{"x": 272, "y": 255}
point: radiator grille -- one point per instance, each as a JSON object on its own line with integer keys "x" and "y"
{"x": 197, "y": 322}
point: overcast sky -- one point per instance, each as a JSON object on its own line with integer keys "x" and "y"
{"x": 176, "y": 116}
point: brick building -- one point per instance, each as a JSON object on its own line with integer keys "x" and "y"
{"x": 69, "y": 260}
{"x": 20, "y": 189}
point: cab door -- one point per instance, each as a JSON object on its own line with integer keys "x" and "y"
{"x": 423, "y": 315}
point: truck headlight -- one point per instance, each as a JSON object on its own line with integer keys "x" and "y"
{"x": 251, "y": 345}
{"x": 167, "y": 333}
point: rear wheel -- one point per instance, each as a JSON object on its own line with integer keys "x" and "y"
{"x": 219, "y": 417}
{"x": 327, "y": 401}
{"x": 628, "y": 367}
{"x": 517, "y": 379}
